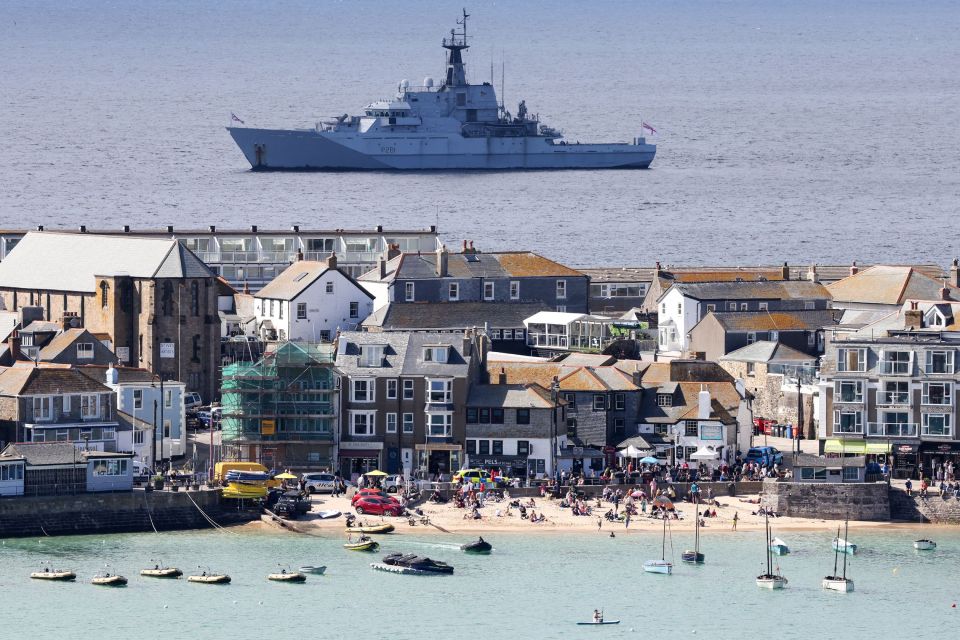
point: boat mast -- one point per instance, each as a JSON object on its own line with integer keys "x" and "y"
{"x": 836, "y": 551}
{"x": 846, "y": 532}
{"x": 766, "y": 526}
{"x": 696, "y": 534}
{"x": 455, "y": 44}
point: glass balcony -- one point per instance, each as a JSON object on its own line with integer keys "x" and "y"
{"x": 886, "y": 398}
{"x": 894, "y": 367}
{"x": 892, "y": 429}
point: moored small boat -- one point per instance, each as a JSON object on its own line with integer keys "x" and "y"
{"x": 844, "y": 546}
{"x": 363, "y": 544}
{"x": 770, "y": 579}
{"x": 55, "y": 575}
{"x": 109, "y": 580}
{"x": 924, "y": 545}
{"x": 779, "y": 547}
{"x": 386, "y": 527}
{"x": 417, "y": 563}
{"x": 287, "y": 576}
{"x": 839, "y": 582}
{"x": 481, "y": 546}
{"x": 380, "y": 566}
{"x": 209, "y": 578}
{"x": 161, "y": 572}
{"x": 658, "y": 566}
{"x": 314, "y": 569}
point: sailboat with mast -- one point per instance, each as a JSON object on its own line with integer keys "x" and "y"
{"x": 770, "y": 580}
{"x": 661, "y": 565}
{"x": 840, "y": 582}
{"x": 694, "y": 556}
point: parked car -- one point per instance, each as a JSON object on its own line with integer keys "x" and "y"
{"x": 392, "y": 484}
{"x": 768, "y": 456}
{"x": 372, "y": 493}
{"x": 318, "y": 482}
{"x": 192, "y": 400}
{"x": 377, "y": 506}
{"x": 291, "y": 504}
{"x": 208, "y": 414}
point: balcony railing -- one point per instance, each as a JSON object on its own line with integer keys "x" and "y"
{"x": 894, "y": 368}
{"x": 886, "y": 398}
{"x": 892, "y": 429}
{"x": 849, "y": 398}
{"x": 937, "y": 400}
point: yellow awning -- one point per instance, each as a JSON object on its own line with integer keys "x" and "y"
{"x": 878, "y": 447}
{"x": 845, "y": 446}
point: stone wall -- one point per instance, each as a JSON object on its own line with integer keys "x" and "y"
{"x": 869, "y": 501}
{"x": 115, "y": 513}
{"x": 930, "y": 509}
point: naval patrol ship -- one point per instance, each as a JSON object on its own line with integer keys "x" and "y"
{"x": 453, "y": 125}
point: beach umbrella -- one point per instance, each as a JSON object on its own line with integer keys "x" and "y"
{"x": 376, "y": 473}
{"x": 649, "y": 460}
{"x": 285, "y": 476}
{"x": 663, "y": 502}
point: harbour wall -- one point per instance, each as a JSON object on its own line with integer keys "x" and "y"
{"x": 860, "y": 501}
{"x": 933, "y": 508}
{"x": 119, "y": 512}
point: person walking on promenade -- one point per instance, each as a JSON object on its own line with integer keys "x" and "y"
{"x": 908, "y": 485}
{"x": 736, "y": 516}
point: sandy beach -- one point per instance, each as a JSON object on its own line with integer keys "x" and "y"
{"x": 446, "y": 519}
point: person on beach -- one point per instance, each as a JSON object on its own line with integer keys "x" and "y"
{"x": 599, "y": 524}
{"x": 736, "y": 517}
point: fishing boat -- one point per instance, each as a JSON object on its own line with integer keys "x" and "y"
{"x": 694, "y": 556}
{"x": 107, "y": 579}
{"x": 160, "y": 571}
{"x": 55, "y": 575}
{"x": 481, "y": 546}
{"x": 779, "y": 547}
{"x": 418, "y": 563}
{"x": 841, "y": 582}
{"x": 770, "y": 579}
{"x": 316, "y": 570}
{"x": 843, "y": 545}
{"x": 924, "y": 545}
{"x": 209, "y": 577}
{"x": 661, "y": 565}
{"x": 287, "y": 576}
{"x": 386, "y": 527}
{"x": 363, "y": 544}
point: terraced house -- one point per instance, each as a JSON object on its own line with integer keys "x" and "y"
{"x": 891, "y": 389}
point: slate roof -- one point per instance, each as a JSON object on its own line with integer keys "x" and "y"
{"x": 452, "y": 315}
{"x": 403, "y": 354}
{"x": 766, "y": 351}
{"x": 520, "y": 396}
{"x": 38, "y": 454}
{"x": 799, "y": 320}
{"x": 724, "y": 404}
{"x": 98, "y": 373}
{"x": 577, "y": 359}
{"x": 753, "y": 290}
{"x": 890, "y": 285}
{"x": 826, "y": 273}
{"x": 298, "y": 277}
{"x": 517, "y": 264}
{"x": 50, "y": 261}
{"x": 457, "y": 365}
{"x": 25, "y": 379}
{"x": 64, "y": 341}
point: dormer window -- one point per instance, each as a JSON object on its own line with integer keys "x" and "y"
{"x": 371, "y": 355}
{"x": 664, "y": 400}
{"x": 436, "y": 354}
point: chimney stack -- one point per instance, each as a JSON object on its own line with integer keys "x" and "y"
{"x": 39, "y": 227}
{"x": 332, "y": 260}
{"x": 126, "y": 228}
{"x": 295, "y": 228}
{"x": 14, "y": 342}
{"x": 502, "y": 376}
{"x": 393, "y": 251}
{"x": 854, "y": 269}
{"x": 169, "y": 228}
{"x": 945, "y": 291}
{"x": 253, "y": 228}
{"x": 657, "y": 270}
{"x": 812, "y": 274}
{"x": 299, "y": 255}
{"x": 443, "y": 261}
{"x": 464, "y": 250}
{"x": 213, "y": 228}
{"x": 703, "y": 405}
{"x": 382, "y": 267}
{"x": 785, "y": 271}
{"x": 83, "y": 228}
{"x": 955, "y": 273}
{"x": 913, "y": 317}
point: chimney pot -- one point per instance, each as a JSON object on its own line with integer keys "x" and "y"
{"x": 253, "y": 228}
{"x": 854, "y": 269}
{"x": 126, "y": 228}
{"x": 332, "y": 260}
{"x": 169, "y": 228}
{"x": 213, "y": 228}
{"x": 39, "y": 227}
{"x": 433, "y": 228}
{"x": 379, "y": 228}
{"x": 502, "y": 376}
{"x": 295, "y": 228}
{"x": 785, "y": 271}
{"x": 83, "y": 228}
{"x": 955, "y": 273}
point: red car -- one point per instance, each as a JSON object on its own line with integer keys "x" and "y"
{"x": 372, "y": 493}
{"x": 377, "y": 506}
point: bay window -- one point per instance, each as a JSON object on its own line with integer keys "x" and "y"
{"x": 939, "y": 362}
{"x": 851, "y": 360}
{"x": 937, "y": 393}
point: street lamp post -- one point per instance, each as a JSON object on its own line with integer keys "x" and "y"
{"x": 155, "y": 428}
{"x": 554, "y": 397}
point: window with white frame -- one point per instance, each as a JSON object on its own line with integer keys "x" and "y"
{"x": 435, "y": 354}
{"x": 391, "y": 423}
{"x": 89, "y": 406}
{"x": 508, "y": 334}
{"x": 362, "y": 423}
{"x": 744, "y": 306}
{"x": 138, "y": 436}
{"x": 936, "y": 424}
{"x": 84, "y": 351}
{"x": 561, "y": 289}
{"x": 408, "y": 389}
{"x": 851, "y": 360}
{"x": 440, "y": 390}
{"x": 518, "y": 334}
{"x": 362, "y": 390}
{"x": 763, "y": 306}
{"x": 391, "y": 389}
{"x": 896, "y": 362}
{"x": 488, "y": 290}
{"x": 453, "y": 291}
{"x": 851, "y": 474}
{"x": 167, "y": 398}
{"x": 408, "y": 292}
{"x": 848, "y": 390}
{"x": 42, "y": 408}
{"x": 939, "y": 362}
{"x": 848, "y": 422}
{"x": 894, "y": 392}
{"x": 599, "y": 402}
{"x": 408, "y": 423}
{"x": 66, "y": 403}
{"x": 354, "y": 310}
{"x": 731, "y": 306}
{"x": 711, "y": 307}
{"x": 301, "y": 311}
{"x": 371, "y": 355}
{"x": 440, "y": 425}
{"x": 937, "y": 393}
{"x": 138, "y": 398}
{"x": 514, "y": 289}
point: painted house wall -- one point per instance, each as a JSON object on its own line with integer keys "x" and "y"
{"x": 326, "y": 312}
{"x": 175, "y": 414}
{"x": 683, "y": 312}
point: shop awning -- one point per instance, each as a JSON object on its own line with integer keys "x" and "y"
{"x": 878, "y": 447}
{"x": 855, "y": 447}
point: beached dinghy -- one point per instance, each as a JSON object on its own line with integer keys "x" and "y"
{"x": 924, "y": 545}
{"x": 481, "y": 546}
{"x": 56, "y": 575}
{"x": 329, "y": 514}
{"x": 386, "y": 527}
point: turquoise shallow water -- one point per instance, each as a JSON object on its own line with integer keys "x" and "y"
{"x": 530, "y": 587}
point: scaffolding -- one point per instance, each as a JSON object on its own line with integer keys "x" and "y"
{"x": 282, "y": 409}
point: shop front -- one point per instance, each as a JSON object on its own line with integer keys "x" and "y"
{"x": 940, "y": 460}
{"x": 505, "y": 465}
{"x": 579, "y": 460}
{"x": 874, "y": 451}
{"x": 439, "y": 459}
{"x": 359, "y": 458}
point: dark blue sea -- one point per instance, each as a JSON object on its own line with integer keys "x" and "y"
{"x": 803, "y": 131}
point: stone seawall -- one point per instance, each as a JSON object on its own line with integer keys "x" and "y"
{"x": 933, "y": 508}
{"x": 115, "y": 513}
{"x": 870, "y": 501}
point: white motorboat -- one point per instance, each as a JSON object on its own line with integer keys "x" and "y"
{"x": 843, "y": 545}
{"x": 779, "y": 547}
{"x": 924, "y": 545}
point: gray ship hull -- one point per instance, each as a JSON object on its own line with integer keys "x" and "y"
{"x": 311, "y": 150}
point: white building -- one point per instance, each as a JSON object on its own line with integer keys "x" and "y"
{"x": 311, "y": 301}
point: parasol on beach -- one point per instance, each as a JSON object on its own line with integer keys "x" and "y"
{"x": 663, "y": 502}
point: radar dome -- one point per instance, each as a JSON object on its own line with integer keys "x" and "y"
{"x": 428, "y": 81}
{"x": 404, "y": 83}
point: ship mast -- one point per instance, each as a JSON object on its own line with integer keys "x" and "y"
{"x": 455, "y": 44}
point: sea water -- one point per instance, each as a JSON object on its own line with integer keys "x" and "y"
{"x": 532, "y": 586}
{"x": 801, "y": 131}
